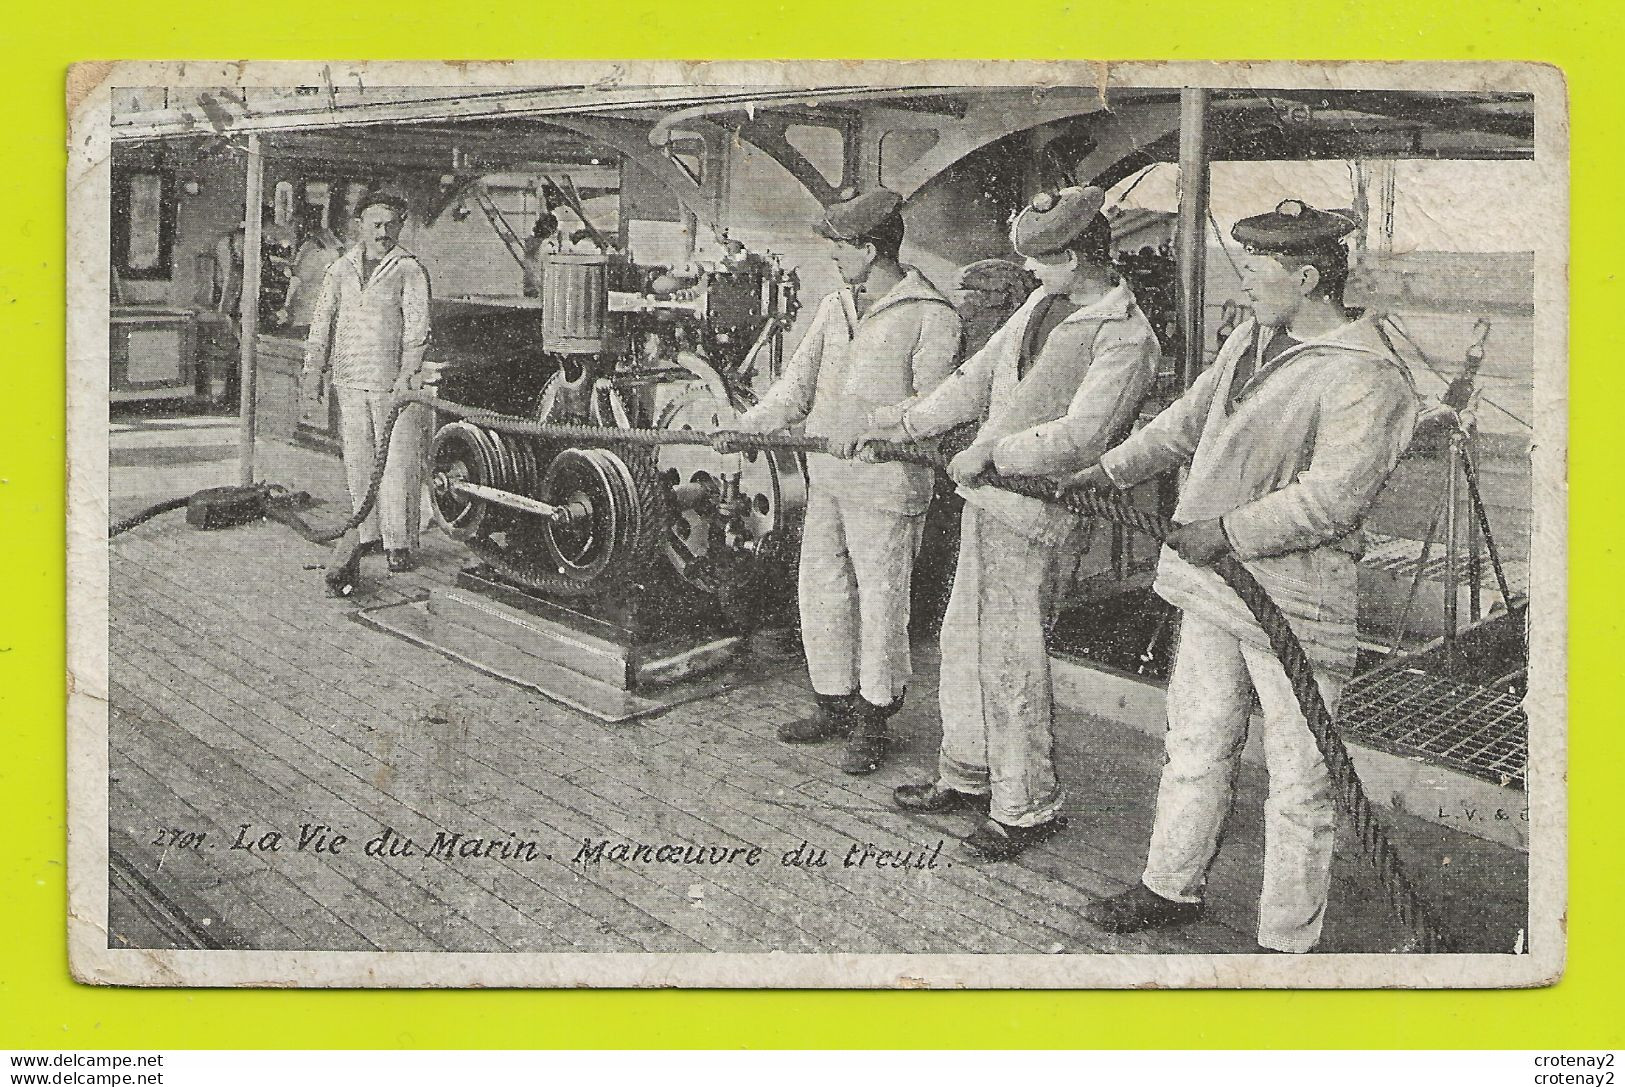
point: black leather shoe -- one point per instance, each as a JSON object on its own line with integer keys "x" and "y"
{"x": 343, "y": 576}
{"x": 832, "y": 718}
{"x": 372, "y": 547}
{"x": 996, "y": 841}
{"x": 866, "y": 745}
{"x": 400, "y": 561}
{"x": 930, "y": 798}
{"x": 1140, "y": 908}
{"x": 340, "y": 583}
{"x": 865, "y": 748}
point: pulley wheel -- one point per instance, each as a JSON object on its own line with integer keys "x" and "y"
{"x": 530, "y": 474}
{"x": 605, "y": 538}
{"x": 460, "y": 453}
{"x": 507, "y": 461}
{"x": 609, "y": 544}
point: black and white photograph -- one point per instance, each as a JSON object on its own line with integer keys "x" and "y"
{"x": 811, "y": 524}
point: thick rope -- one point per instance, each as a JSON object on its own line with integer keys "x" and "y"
{"x": 127, "y": 523}
{"x": 1401, "y": 895}
{"x": 369, "y": 498}
{"x": 1403, "y": 900}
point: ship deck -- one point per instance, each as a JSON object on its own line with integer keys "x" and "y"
{"x": 240, "y": 697}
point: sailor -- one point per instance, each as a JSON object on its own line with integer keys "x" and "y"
{"x": 989, "y": 292}
{"x": 1287, "y": 436}
{"x": 886, "y": 335}
{"x": 318, "y": 249}
{"x": 370, "y": 328}
{"x": 1051, "y": 389}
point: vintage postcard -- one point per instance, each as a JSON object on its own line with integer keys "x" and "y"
{"x": 837, "y": 524}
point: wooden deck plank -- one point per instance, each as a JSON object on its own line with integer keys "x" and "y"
{"x": 502, "y": 688}
{"x": 348, "y": 631}
{"x": 258, "y": 660}
{"x": 231, "y": 787}
{"x": 923, "y": 900}
{"x": 281, "y": 781}
{"x": 331, "y": 897}
{"x": 1066, "y": 925}
{"x": 1008, "y": 887}
{"x": 840, "y": 909}
{"x": 680, "y": 887}
{"x": 1063, "y": 924}
{"x": 231, "y": 904}
{"x": 407, "y": 887}
{"x": 483, "y": 919}
{"x": 773, "y": 805}
{"x": 1005, "y": 886}
{"x": 237, "y": 895}
{"x": 1109, "y": 806}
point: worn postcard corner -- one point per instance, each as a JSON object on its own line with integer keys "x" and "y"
{"x": 821, "y": 524}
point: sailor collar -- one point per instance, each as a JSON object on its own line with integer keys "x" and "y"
{"x": 354, "y": 256}
{"x": 1343, "y": 338}
{"x": 913, "y": 287}
{"x": 1114, "y": 305}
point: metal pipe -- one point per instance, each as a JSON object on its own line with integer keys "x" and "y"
{"x": 1192, "y": 230}
{"x": 1386, "y": 194}
{"x": 661, "y": 134}
{"x": 248, "y": 322}
{"x": 691, "y": 234}
{"x": 1477, "y": 497}
{"x": 1475, "y": 570}
{"x": 1451, "y": 537}
{"x": 566, "y": 513}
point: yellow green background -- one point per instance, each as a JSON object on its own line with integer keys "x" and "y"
{"x": 40, "y": 1007}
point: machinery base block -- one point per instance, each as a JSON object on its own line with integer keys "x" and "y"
{"x": 600, "y": 676}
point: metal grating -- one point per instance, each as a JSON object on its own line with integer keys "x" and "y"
{"x": 1478, "y": 730}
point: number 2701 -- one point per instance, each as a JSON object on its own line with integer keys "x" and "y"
{"x": 174, "y": 838}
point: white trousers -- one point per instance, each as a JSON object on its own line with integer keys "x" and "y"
{"x": 1209, "y": 702}
{"x": 998, "y": 734}
{"x": 396, "y": 517}
{"x": 856, "y": 564}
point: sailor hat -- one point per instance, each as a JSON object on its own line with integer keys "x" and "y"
{"x": 1293, "y": 227}
{"x": 1054, "y": 220}
{"x": 856, "y": 215}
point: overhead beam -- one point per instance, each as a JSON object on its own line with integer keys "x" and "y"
{"x": 1512, "y": 116}
{"x": 192, "y": 117}
{"x": 988, "y": 120}
{"x": 631, "y": 138}
{"x": 411, "y": 150}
